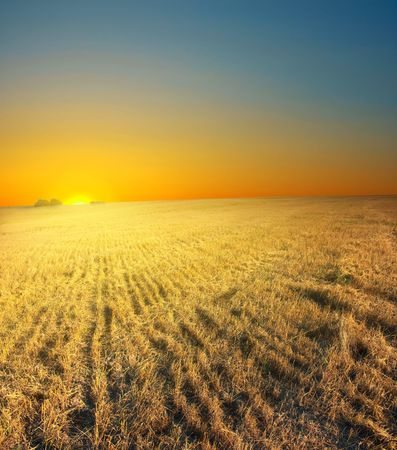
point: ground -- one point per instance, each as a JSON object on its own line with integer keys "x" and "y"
{"x": 229, "y": 324}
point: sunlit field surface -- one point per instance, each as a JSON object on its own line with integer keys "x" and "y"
{"x": 229, "y": 324}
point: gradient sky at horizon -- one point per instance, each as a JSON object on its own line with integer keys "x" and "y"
{"x": 126, "y": 100}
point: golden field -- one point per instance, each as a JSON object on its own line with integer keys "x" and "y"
{"x": 216, "y": 324}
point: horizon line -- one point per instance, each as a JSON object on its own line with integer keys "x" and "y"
{"x": 268, "y": 196}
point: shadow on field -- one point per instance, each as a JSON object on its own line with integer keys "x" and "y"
{"x": 228, "y": 295}
{"x": 324, "y": 299}
{"x": 83, "y": 419}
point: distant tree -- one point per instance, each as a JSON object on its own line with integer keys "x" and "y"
{"x": 52, "y": 202}
{"x": 42, "y": 202}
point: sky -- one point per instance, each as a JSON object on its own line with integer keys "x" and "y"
{"x": 138, "y": 100}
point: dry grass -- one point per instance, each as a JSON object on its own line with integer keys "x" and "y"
{"x": 231, "y": 324}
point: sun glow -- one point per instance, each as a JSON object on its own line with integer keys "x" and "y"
{"x": 78, "y": 200}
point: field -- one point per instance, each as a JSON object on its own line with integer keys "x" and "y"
{"x": 229, "y": 324}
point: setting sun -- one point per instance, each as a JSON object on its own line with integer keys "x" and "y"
{"x": 78, "y": 200}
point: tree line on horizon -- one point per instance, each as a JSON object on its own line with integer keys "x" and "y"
{"x": 52, "y": 202}
{"x": 56, "y": 202}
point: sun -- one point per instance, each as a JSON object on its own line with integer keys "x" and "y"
{"x": 78, "y": 200}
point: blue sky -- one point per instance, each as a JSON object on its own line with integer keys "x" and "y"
{"x": 339, "y": 56}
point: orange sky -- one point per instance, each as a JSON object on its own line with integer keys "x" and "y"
{"x": 117, "y": 146}
{"x": 154, "y": 151}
